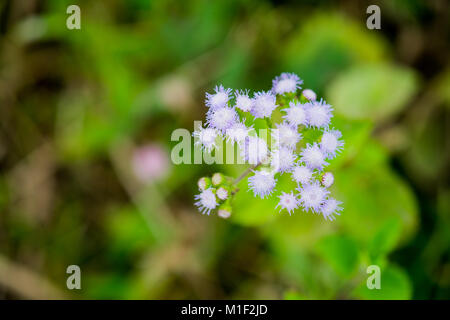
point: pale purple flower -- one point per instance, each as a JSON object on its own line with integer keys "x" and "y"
{"x": 243, "y": 101}
{"x": 286, "y": 135}
{"x": 301, "y": 174}
{"x": 318, "y": 113}
{"x": 254, "y": 150}
{"x": 331, "y": 207}
{"x": 327, "y": 179}
{"x": 312, "y": 196}
{"x": 286, "y": 82}
{"x": 309, "y": 94}
{"x": 282, "y": 159}
{"x": 313, "y": 157}
{"x": 222, "y": 118}
{"x": 263, "y": 105}
{"x": 206, "y": 138}
{"x": 330, "y": 143}
{"x": 206, "y": 201}
{"x": 288, "y": 201}
{"x": 295, "y": 114}
{"x": 219, "y": 98}
{"x": 238, "y": 132}
{"x": 262, "y": 183}
{"x": 150, "y": 162}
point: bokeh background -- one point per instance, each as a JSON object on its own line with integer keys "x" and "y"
{"x": 85, "y": 171}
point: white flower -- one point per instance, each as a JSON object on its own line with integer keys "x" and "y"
{"x": 309, "y": 94}
{"x": 318, "y": 114}
{"x": 286, "y": 135}
{"x": 330, "y": 143}
{"x": 295, "y": 114}
{"x": 218, "y": 99}
{"x": 283, "y": 159}
{"x": 313, "y": 157}
{"x": 286, "y": 82}
{"x": 263, "y": 104}
{"x": 262, "y": 183}
{"x": 288, "y": 201}
{"x": 206, "y": 201}
{"x": 301, "y": 174}
{"x": 243, "y": 101}
{"x": 254, "y": 150}
{"x": 222, "y": 118}
{"x": 312, "y": 196}
{"x": 327, "y": 179}
{"x": 206, "y": 138}
{"x": 330, "y": 208}
{"x": 237, "y": 133}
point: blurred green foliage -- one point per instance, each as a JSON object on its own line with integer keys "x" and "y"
{"x": 76, "y": 102}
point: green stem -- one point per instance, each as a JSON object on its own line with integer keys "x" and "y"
{"x": 245, "y": 173}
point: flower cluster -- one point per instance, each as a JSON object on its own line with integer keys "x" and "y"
{"x": 231, "y": 115}
{"x": 215, "y": 193}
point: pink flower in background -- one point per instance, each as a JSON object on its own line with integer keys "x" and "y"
{"x": 150, "y": 162}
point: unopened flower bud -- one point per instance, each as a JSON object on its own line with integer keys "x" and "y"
{"x": 204, "y": 183}
{"x": 327, "y": 179}
{"x": 217, "y": 179}
{"x": 222, "y": 193}
{"x": 309, "y": 94}
{"x": 224, "y": 211}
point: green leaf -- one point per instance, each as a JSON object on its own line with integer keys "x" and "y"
{"x": 385, "y": 239}
{"x": 372, "y": 194}
{"x": 328, "y": 43}
{"x": 372, "y": 91}
{"x": 395, "y": 285}
{"x": 341, "y": 252}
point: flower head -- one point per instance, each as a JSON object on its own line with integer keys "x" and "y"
{"x": 286, "y": 135}
{"x": 204, "y": 183}
{"x": 301, "y": 174}
{"x": 222, "y": 193}
{"x": 254, "y": 150}
{"x": 262, "y": 183}
{"x": 318, "y": 114}
{"x": 313, "y": 157}
{"x": 312, "y": 196}
{"x": 283, "y": 159}
{"x": 327, "y": 179}
{"x": 206, "y": 138}
{"x": 206, "y": 201}
{"x": 330, "y": 143}
{"x": 288, "y": 201}
{"x": 219, "y": 98}
{"x": 263, "y": 104}
{"x": 331, "y": 207}
{"x": 237, "y": 133}
{"x": 286, "y": 82}
{"x": 243, "y": 101}
{"x": 295, "y": 114}
{"x": 224, "y": 213}
{"x": 309, "y": 94}
{"x": 222, "y": 118}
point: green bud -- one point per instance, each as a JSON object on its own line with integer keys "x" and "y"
{"x": 217, "y": 179}
{"x": 222, "y": 193}
{"x": 204, "y": 183}
{"x": 224, "y": 210}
